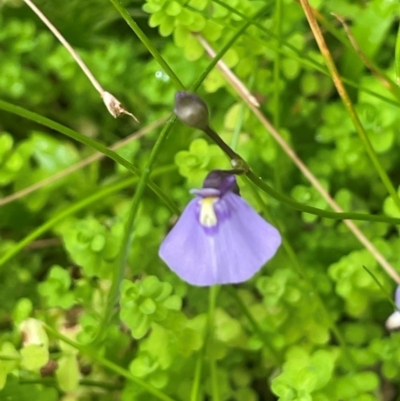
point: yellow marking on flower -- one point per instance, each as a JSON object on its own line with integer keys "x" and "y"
{"x": 208, "y": 218}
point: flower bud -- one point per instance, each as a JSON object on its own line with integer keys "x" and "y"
{"x": 191, "y": 110}
{"x": 223, "y": 180}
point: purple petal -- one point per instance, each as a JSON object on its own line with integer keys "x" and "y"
{"x": 241, "y": 245}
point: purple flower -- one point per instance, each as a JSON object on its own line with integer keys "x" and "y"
{"x": 219, "y": 238}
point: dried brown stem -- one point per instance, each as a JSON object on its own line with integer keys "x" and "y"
{"x": 112, "y": 103}
{"x": 360, "y": 53}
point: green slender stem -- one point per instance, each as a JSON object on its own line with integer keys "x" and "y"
{"x": 303, "y": 58}
{"x": 147, "y": 42}
{"x": 213, "y": 292}
{"x": 397, "y": 57}
{"x": 227, "y": 46}
{"x": 90, "y": 383}
{"x": 256, "y": 327}
{"x": 110, "y": 365}
{"x": 19, "y": 111}
{"x": 238, "y": 126}
{"x": 347, "y": 102}
{"x": 195, "y": 392}
{"x": 220, "y": 142}
{"x": 304, "y": 274}
{"x": 387, "y": 295}
{"x": 82, "y": 204}
{"x": 127, "y": 239}
{"x": 289, "y": 201}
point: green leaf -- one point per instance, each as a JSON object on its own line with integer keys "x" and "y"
{"x": 173, "y": 9}
{"x": 33, "y": 357}
{"x": 67, "y": 373}
{"x": 198, "y": 4}
{"x": 56, "y": 289}
{"x": 22, "y": 310}
{"x": 174, "y": 302}
{"x": 9, "y": 360}
{"x": 148, "y": 306}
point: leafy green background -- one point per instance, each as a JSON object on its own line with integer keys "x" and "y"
{"x": 311, "y": 324}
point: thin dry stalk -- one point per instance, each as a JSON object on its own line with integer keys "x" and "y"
{"x": 360, "y": 53}
{"x": 231, "y": 78}
{"x": 71, "y": 169}
{"x": 112, "y": 103}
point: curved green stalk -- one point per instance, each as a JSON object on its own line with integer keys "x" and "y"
{"x": 303, "y": 58}
{"x": 164, "y": 197}
{"x": 108, "y": 364}
{"x": 385, "y": 293}
{"x": 78, "y": 206}
{"x": 289, "y": 201}
{"x": 19, "y": 111}
{"x": 127, "y": 238}
{"x": 227, "y": 46}
{"x": 147, "y": 42}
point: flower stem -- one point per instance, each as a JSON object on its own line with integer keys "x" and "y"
{"x": 220, "y": 142}
{"x": 195, "y": 393}
{"x": 227, "y": 46}
{"x": 213, "y": 292}
{"x": 384, "y": 292}
{"x": 289, "y": 201}
{"x": 147, "y": 42}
